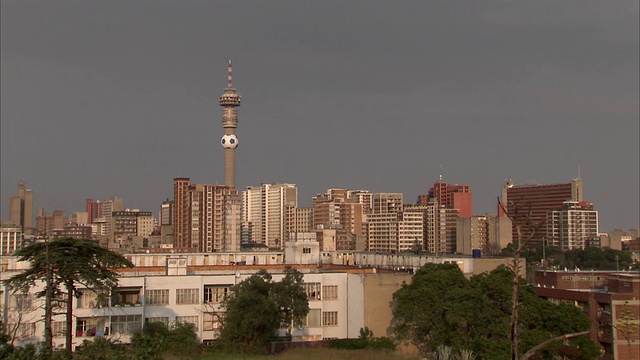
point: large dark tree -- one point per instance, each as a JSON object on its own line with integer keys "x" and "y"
{"x": 435, "y": 308}
{"x": 292, "y": 301}
{"x": 442, "y": 308}
{"x": 258, "y": 305}
{"x": 62, "y": 265}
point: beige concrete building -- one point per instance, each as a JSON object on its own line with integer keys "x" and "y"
{"x": 573, "y": 226}
{"x": 108, "y": 208}
{"x": 387, "y": 202}
{"x": 340, "y": 209}
{"x": 488, "y": 233}
{"x": 21, "y": 209}
{"x": 206, "y": 217}
{"x": 267, "y": 211}
{"x": 10, "y": 238}
{"x": 79, "y": 218}
{"x": 346, "y": 292}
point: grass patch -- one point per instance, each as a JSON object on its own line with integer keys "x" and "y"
{"x": 317, "y": 354}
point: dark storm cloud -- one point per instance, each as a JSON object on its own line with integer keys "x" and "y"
{"x": 107, "y": 98}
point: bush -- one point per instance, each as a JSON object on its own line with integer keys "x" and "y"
{"x": 156, "y": 340}
{"x": 365, "y": 341}
{"x": 100, "y": 349}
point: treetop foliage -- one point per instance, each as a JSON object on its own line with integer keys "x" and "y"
{"x": 590, "y": 258}
{"x": 440, "y": 307}
{"x": 258, "y": 306}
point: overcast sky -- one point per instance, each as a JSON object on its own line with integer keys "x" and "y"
{"x": 116, "y": 98}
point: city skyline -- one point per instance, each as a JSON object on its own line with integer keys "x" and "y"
{"x": 117, "y": 99}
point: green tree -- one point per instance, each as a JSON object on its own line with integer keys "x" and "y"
{"x": 597, "y": 259}
{"x": 435, "y": 308}
{"x": 442, "y": 308}
{"x": 252, "y": 314}
{"x": 291, "y": 298}
{"x": 156, "y": 341}
{"x": 257, "y": 306}
{"x": 626, "y": 325}
{"x": 100, "y": 349}
{"x": 63, "y": 265}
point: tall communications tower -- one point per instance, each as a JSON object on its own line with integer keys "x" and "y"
{"x": 229, "y": 101}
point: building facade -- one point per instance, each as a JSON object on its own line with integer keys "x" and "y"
{"x": 21, "y": 209}
{"x": 206, "y": 217}
{"x": 611, "y": 300}
{"x": 267, "y": 212}
{"x": 531, "y": 204}
{"x": 10, "y": 238}
{"x": 346, "y": 291}
{"x": 573, "y": 227}
{"x": 488, "y": 233}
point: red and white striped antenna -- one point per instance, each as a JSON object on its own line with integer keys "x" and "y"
{"x": 229, "y": 76}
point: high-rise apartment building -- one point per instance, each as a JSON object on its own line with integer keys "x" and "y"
{"x": 79, "y": 218}
{"x": 73, "y": 231}
{"x": 451, "y": 196}
{"x": 300, "y": 220}
{"x": 21, "y": 209}
{"x": 206, "y": 217}
{"x": 488, "y": 233}
{"x": 395, "y": 231}
{"x": 338, "y": 209}
{"x": 266, "y": 212}
{"x": 107, "y": 208}
{"x": 387, "y": 203}
{"x": 531, "y": 204}
{"x": 46, "y": 223}
{"x": 94, "y": 210}
{"x": 166, "y": 213}
{"x": 573, "y": 226}
{"x": 446, "y": 203}
{"x": 181, "y": 213}
{"x": 132, "y": 223}
{"x": 392, "y": 226}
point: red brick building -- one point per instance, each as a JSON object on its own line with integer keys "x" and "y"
{"x": 450, "y": 196}
{"x": 535, "y": 201}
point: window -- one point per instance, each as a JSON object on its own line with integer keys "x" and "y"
{"x": 313, "y": 318}
{"x": 24, "y": 331}
{"x": 126, "y": 296}
{"x": 21, "y": 302}
{"x": 58, "y": 328}
{"x": 160, "y": 319}
{"x": 157, "y": 297}
{"x": 187, "y": 296}
{"x": 312, "y": 290}
{"x": 330, "y": 292}
{"x": 91, "y": 326}
{"x": 213, "y": 321}
{"x": 306, "y": 250}
{"x": 330, "y": 318}
{"x": 216, "y": 294}
{"x": 126, "y": 324}
{"x": 87, "y": 299}
{"x": 193, "y": 320}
